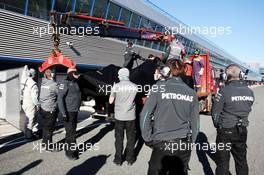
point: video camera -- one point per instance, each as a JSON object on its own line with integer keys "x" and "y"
{"x": 136, "y": 56}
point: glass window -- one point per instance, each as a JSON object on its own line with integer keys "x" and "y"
{"x": 83, "y": 6}
{"x": 113, "y": 12}
{"x": 132, "y": 40}
{"x": 39, "y": 9}
{"x": 179, "y": 37}
{"x": 189, "y": 50}
{"x": 162, "y": 46}
{"x": 13, "y": 5}
{"x": 152, "y": 25}
{"x": 122, "y": 39}
{"x": 148, "y": 44}
{"x": 155, "y": 45}
{"x": 143, "y": 25}
{"x": 63, "y": 6}
{"x": 183, "y": 41}
{"x": 135, "y": 21}
{"x": 140, "y": 42}
{"x": 160, "y": 28}
{"x": 99, "y": 8}
{"x": 125, "y": 15}
{"x": 187, "y": 43}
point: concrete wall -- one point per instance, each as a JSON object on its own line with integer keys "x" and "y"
{"x": 3, "y": 95}
{"x": 9, "y": 102}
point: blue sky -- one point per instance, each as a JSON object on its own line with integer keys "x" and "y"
{"x": 245, "y": 17}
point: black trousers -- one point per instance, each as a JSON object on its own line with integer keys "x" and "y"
{"x": 164, "y": 161}
{"x": 49, "y": 121}
{"x": 130, "y": 64}
{"x": 129, "y": 127}
{"x": 237, "y": 141}
{"x": 70, "y": 138}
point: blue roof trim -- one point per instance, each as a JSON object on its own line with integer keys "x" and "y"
{"x": 20, "y": 59}
{"x": 30, "y": 60}
{"x": 90, "y": 66}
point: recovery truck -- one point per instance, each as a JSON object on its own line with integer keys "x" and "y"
{"x": 110, "y": 28}
{"x": 209, "y": 86}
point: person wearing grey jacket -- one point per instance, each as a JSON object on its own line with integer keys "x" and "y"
{"x": 48, "y": 105}
{"x": 123, "y": 96}
{"x": 174, "y": 107}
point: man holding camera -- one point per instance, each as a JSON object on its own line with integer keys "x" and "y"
{"x": 130, "y": 56}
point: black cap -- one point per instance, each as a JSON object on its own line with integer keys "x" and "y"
{"x": 130, "y": 43}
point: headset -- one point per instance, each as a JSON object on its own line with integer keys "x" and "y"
{"x": 31, "y": 73}
{"x": 165, "y": 71}
{"x": 241, "y": 74}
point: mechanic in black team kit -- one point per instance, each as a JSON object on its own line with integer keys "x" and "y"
{"x": 175, "y": 121}
{"x": 69, "y": 102}
{"x": 230, "y": 116}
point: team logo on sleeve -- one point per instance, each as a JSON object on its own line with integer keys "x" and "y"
{"x": 218, "y": 97}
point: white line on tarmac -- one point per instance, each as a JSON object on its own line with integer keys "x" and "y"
{"x": 23, "y": 141}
